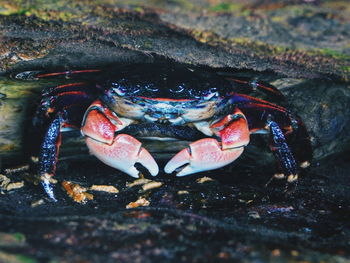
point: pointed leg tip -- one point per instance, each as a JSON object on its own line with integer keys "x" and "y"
{"x": 292, "y": 178}
{"x": 305, "y": 164}
{"x": 49, "y": 190}
{"x": 279, "y": 176}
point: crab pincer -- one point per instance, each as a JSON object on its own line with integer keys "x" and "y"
{"x": 120, "y": 151}
{"x": 208, "y": 154}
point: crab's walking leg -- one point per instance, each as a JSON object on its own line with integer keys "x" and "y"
{"x": 289, "y": 139}
{"x": 49, "y": 153}
{"x": 65, "y": 73}
{"x": 62, "y": 106}
{"x": 300, "y": 143}
{"x": 120, "y": 151}
{"x": 280, "y": 149}
{"x": 209, "y": 154}
{"x": 253, "y": 84}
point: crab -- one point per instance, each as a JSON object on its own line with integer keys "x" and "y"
{"x": 116, "y": 109}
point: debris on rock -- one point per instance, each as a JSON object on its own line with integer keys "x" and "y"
{"x": 4, "y": 181}
{"x": 254, "y": 214}
{"x": 204, "y": 179}
{"x": 104, "y": 188}
{"x": 76, "y": 192}
{"x": 17, "y": 169}
{"x": 137, "y": 182}
{"x": 139, "y": 202}
{"x": 16, "y": 185}
{"x": 7, "y": 185}
{"x": 37, "y": 203}
{"x": 151, "y": 185}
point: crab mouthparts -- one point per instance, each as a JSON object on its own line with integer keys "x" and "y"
{"x": 162, "y": 112}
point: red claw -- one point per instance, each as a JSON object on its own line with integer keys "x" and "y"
{"x": 209, "y": 154}
{"x": 122, "y": 154}
{"x": 202, "y": 155}
{"x": 121, "y": 151}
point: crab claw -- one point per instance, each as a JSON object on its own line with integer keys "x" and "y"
{"x": 209, "y": 154}
{"x": 202, "y": 155}
{"x": 121, "y": 151}
{"x": 122, "y": 154}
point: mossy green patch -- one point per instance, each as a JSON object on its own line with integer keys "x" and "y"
{"x": 19, "y": 237}
{"x": 227, "y": 7}
{"x": 334, "y": 53}
{"x": 345, "y": 69}
{"x": 26, "y": 259}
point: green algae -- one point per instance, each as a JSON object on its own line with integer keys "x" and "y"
{"x": 333, "y": 53}
{"x": 227, "y": 7}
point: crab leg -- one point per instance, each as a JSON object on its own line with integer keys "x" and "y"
{"x": 66, "y": 73}
{"x": 49, "y": 153}
{"x": 289, "y": 139}
{"x": 49, "y": 149}
{"x": 283, "y": 154}
{"x": 208, "y": 154}
{"x": 121, "y": 151}
{"x": 252, "y": 84}
{"x": 300, "y": 143}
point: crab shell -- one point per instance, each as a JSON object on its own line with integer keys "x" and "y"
{"x": 168, "y": 102}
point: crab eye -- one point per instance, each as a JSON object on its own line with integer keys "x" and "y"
{"x": 151, "y": 87}
{"x": 119, "y": 90}
{"x": 178, "y": 89}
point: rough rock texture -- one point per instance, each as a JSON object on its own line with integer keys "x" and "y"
{"x": 295, "y": 40}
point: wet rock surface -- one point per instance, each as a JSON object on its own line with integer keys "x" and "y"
{"x": 303, "y": 49}
{"x": 293, "y": 39}
{"x": 216, "y": 216}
